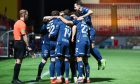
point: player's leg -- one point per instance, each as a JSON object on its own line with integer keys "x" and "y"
{"x": 52, "y": 70}
{"x": 80, "y": 68}
{"x": 66, "y": 71}
{"x": 40, "y": 69}
{"x": 20, "y": 51}
{"x": 87, "y": 69}
{"x": 73, "y": 63}
{"x": 94, "y": 51}
{"x": 45, "y": 55}
{"x": 62, "y": 68}
{"x": 58, "y": 69}
{"x": 67, "y": 64}
{"x": 73, "y": 66}
{"x": 86, "y": 51}
{"x": 52, "y": 62}
{"x": 58, "y": 62}
{"x": 79, "y": 54}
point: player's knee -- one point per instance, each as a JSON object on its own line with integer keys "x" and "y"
{"x": 66, "y": 59}
{"x": 52, "y": 59}
{"x": 44, "y": 60}
{"x": 18, "y": 61}
{"x": 57, "y": 58}
{"x": 92, "y": 45}
{"x": 79, "y": 59}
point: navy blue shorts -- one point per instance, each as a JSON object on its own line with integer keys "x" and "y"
{"x": 82, "y": 48}
{"x": 45, "y": 50}
{"x": 62, "y": 49}
{"x": 52, "y": 48}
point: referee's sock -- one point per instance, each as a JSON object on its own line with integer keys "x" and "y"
{"x": 16, "y": 71}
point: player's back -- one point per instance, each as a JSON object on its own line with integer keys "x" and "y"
{"x": 44, "y": 32}
{"x": 82, "y": 31}
{"x": 64, "y": 32}
{"x": 53, "y": 29}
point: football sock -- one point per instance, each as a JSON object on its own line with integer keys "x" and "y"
{"x": 80, "y": 68}
{"x": 67, "y": 68}
{"x": 16, "y": 71}
{"x": 52, "y": 69}
{"x": 40, "y": 68}
{"x": 58, "y": 67}
{"x": 83, "y": 70}
{"x": 87, "y": 69}
{"x": 75, "y": 69}
{"x": 62, "y": 68}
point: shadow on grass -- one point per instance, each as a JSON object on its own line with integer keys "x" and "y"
{"x": 92, "y": 80}
{"x": 101, "y": 79}
{"x": 36, "y": 82}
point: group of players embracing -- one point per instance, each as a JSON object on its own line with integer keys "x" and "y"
{"x": 68, "y": 40}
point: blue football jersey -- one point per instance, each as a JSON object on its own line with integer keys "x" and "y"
{"x": 82, "y": 33}
{"x": 53, "y": 27}
{"x": 45, "y": 32}
{"x": 82, "y": 38}
{"x": 64, "y": 32}
{"x": 88, "y": 18}
{"x": 45, "y": 41}
{"x": 89, "y": 23}
{"x": 53, "y": 32}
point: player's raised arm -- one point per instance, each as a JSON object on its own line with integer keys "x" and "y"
{"x": 90, "y": 12}
{"x": 86, "y": 11}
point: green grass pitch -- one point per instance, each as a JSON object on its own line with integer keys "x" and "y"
{"x": 123, "y": 67}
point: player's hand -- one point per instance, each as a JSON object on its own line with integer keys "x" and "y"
{"x": 29, "y": 48}
{"x": 80, "y": 18}
{"x": 72, "y": 39}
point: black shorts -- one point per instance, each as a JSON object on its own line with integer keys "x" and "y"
{"x": 19, "y": 49}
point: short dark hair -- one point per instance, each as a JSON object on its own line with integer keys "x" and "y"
{"x": 55, "y": 13}
{"x": 67, "y": 12}
{"x": 75, "y": 13}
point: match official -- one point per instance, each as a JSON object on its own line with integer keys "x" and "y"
{"x": 20, "y": 44}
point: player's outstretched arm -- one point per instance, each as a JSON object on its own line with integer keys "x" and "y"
{"x": 90, "y": 12}
{"x": 47, "y": 18}
{"x": 66, "y": 21}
